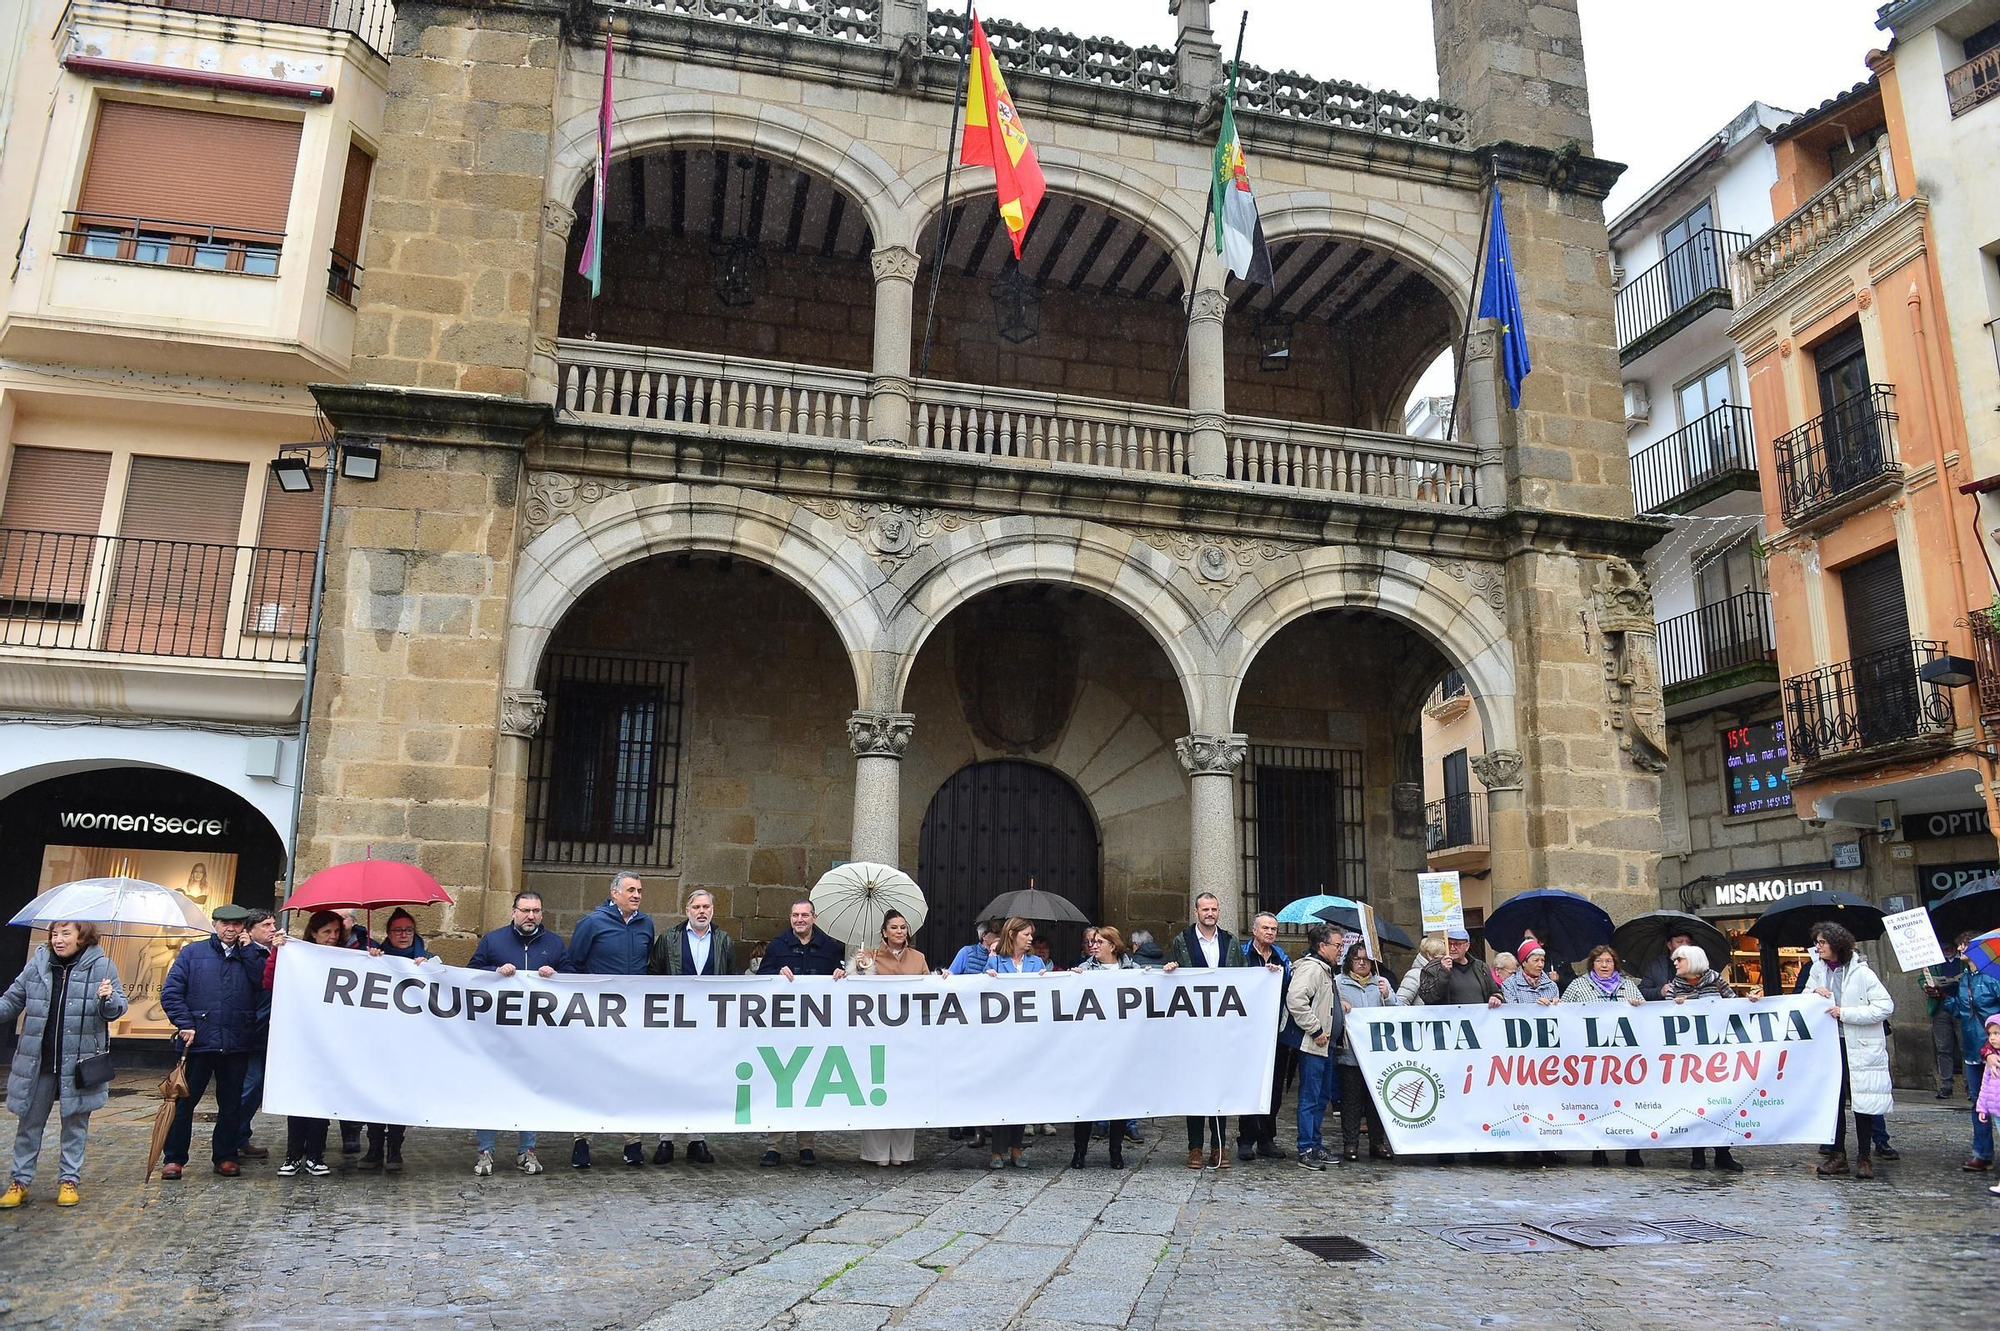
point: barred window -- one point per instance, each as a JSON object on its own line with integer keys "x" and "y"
{"x": 604, "y": 771}
{"x": 1303, "y": 829}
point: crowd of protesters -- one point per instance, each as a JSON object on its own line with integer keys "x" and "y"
{"x": 217, "y": 994}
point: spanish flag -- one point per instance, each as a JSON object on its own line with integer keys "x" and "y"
{"x": 994, "y": 137}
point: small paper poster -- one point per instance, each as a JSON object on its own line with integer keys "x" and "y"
{"x": 1442, "y": 905}
{"x": 1915, "y": 941}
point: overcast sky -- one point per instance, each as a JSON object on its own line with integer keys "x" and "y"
{"x": 1664, "y": 75}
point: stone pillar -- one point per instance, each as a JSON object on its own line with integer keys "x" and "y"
{"x": 521, "y": 715}
{"x": 1506, "y": 822}
{"x": 904, "y": 21}
{"x": 1516, "y": 68}
{"x": 543, "y": 371}
{"x": 890, "y": 387}
{"x": 1197, "y": 57}
{"x": 1480, "y": 422}
{"x": 1208, "y": 447}
{"x": 455, "y": 250}
{"x": 878, "y": 740}
{"x": 1213, "y": 864}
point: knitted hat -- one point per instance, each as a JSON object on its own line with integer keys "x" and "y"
{"x": 1529, "y": 949}
{"x": 1993, "y": 1020}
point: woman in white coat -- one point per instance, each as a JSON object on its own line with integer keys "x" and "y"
{"x": 1861, "y": 1005}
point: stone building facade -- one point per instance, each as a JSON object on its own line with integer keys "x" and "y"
{"x": 714, "y": 577}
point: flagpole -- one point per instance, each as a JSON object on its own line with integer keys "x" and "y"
{"x": 1207, "y": 213}
{"x": 1472, "y": 306}
{"x": 944, "y": 207}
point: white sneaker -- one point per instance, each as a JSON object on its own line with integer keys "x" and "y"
{"x": 483, "y": 1167}
{"x": 527, "y": 1163}
{"x": 315, "y": 1168}
{"x": 289, "y": 1168}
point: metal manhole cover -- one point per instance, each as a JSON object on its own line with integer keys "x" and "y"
{"x": 1335, "y": 1248}
{"x": 1496, "y": 1238}
{"x": 1608, "y": 1233}
{"x": 1700, "y": 1231}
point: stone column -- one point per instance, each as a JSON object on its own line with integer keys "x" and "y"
{"x": 1480, "y": 422}
{"x": 544, "y": 373}
{"x": 878, "y": 740}
{"x": 521, "y": 715}
{"x": 1208, "y": 449}
{"x": 1213, "y": 865}
{"x": 1506, "y": 822}
{"x": 1197, "y": 57}
{"x": 889, "y": 390}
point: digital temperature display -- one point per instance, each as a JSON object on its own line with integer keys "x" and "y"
{"x": 1754, "y": 759}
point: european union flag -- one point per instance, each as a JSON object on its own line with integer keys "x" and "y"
{"x": 1500, "y": 299}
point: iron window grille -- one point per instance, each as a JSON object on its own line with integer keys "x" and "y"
{"x": 604, "y": 771}
{"x": 1303, "y": 825}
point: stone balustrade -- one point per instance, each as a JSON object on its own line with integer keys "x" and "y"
{"x": 1059, "y": 55}
{"x": 691, "y": 391}
{"x": 837, "y": 20}
{"x": 1849, "y": 200}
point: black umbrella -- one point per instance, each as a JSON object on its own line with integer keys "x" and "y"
{"x": 1789, "y": 921}
{"x": 1642, "y": 939}
{"x": 1975, "y": 906}
{"x": 1565, "y": 924}
{"x": 1033, "y": 904}
{"x": 1348, "y": 918}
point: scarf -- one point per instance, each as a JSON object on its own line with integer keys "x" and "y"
{"x": 1610, "y": 985}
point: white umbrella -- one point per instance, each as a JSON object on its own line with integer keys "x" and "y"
{"x": 118, "y": 906}
{"x": 853, "y": 898}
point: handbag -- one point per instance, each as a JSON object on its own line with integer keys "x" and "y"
{"x": 96, "y": 1071}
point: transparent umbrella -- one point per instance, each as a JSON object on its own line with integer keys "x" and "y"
{"x": 117, "y": 906}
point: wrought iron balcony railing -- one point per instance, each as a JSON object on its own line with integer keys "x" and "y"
{"x": 1726, "y": 635}
{"x": 1455, "y": 821}
{"x": 1833, "y": 455}
{"x": 1869, "y": 702}
{"x": 76, "y": 593}
{"x": 1974, "y": 82}
{"x": 1696, "y": 458}
{"x": 1696, "y": 268}
{"x": 373, "y": 21}
{"x": 1986, "y": 659}
{"x": 213, "y": 246}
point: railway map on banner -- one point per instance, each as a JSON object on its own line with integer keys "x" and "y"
{"x": 1711, "y": 1072}
{"x": 760, "y": 1054}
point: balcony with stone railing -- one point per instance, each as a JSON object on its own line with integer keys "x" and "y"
{"x": 1850, "y": 200}
{"x": 696, "y": 393}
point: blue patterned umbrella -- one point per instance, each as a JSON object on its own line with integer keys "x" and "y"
{"x": 1306, "y": 909}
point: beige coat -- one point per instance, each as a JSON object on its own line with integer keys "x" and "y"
{"x": 1313, "y": 1001}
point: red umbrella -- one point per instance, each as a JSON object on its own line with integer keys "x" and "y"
{"x": 365, "y": 885}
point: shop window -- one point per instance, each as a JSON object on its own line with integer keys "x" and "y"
{"x": 343, "y": 273}
{"x": 604, "y": 771}
{"x": 185, "y": 188}
{"x": 1302, "y": 823}
{"x": 48, "y": 532}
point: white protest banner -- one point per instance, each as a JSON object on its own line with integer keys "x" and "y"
{"x": 1595, "y": 1076}
{"x": 383, "y": 1040}
{"x": 1914, "y": 938}
{"x": 1443, "y": 906}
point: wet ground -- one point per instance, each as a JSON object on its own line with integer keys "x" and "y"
{"x": 943, "y": 1244}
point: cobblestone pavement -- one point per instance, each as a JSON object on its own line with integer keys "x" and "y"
{"x": 946, "y": 1245}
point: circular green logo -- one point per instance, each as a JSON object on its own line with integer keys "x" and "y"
{"x": 1410, "y": 1092}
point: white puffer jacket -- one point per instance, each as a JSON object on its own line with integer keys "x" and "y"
{"x": 1864, "y": 1006}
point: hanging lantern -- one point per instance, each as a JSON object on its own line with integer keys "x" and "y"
{"x": 1274, "y": 343}
{"x": 737, "y": 265}
{"x": 1017, "y": 310}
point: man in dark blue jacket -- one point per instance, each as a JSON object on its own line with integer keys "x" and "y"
{"x": 520, "y": 945}
{"x": 211, "y": 994}
{"x": 803, "y": 949}
{"x": 614, "y": 939}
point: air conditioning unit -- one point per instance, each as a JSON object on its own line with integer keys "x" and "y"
{"x": 1638, "y": 404}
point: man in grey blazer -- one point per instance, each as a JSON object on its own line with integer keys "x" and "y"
{"x": 693, "y": 947}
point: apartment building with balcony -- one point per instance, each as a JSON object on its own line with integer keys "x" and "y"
{"x": 184, "y": 184}
{"x": 1844, "y": 317}
{"x": 1730, "y": 837}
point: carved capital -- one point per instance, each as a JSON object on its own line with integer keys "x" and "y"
{"x": 1499, "y": 769}
{"x": 1406, "y": 796}
{"x": 1212, "y": 755}
{"x": 894, "y": 261}
{"x": 1210, "y": 305}
{"x": 1210, "y": 420}
{"x": 880, "y": 734}
{"x": 557, "y": 218}
{"x": 521, "y": 712}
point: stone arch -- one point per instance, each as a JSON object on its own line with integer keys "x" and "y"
{"x": 1142, "y": 200}
{"x": 564, "y": 562}
{"x": 1441, "y": 257}
{"x": 1000, "y": 552}
{"x": 1454, "y": 614}
{"x": 706, "y": 121}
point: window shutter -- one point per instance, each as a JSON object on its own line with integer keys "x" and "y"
{"x": 281, "y": 579}
{"x": 305, "y": 13}
{"x": 1871, "y": 593}
{"x": 177, "y": 558}
{"x": 195, "y": 167}
{"x": 54, "y": 501}
{"x": 353, "y": 203}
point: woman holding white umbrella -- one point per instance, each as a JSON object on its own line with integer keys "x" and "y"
{"x": 895, "y": 956}
{"x": 70, "y": 993}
